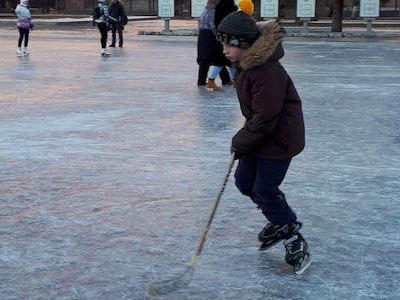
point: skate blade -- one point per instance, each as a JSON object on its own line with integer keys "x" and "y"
{"x": 299, "y": 269}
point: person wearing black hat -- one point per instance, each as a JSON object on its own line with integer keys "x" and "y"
{"x": 274, "y": 130}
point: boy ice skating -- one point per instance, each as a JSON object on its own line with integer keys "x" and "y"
{"x": 274, "y": 129}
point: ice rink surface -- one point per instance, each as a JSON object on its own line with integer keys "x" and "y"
{"x": 109, "y": 168}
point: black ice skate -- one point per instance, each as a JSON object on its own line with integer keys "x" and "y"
{"x": 297, "y": 253}
{"x": 272, "y": 234}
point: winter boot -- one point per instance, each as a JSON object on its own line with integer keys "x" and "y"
{"x": 112, "y": 45}
{"x": 20, "y": 52}
{"x": 211, "y": 86}
{"x": 297, "y": 253}
{"x": 272, "y": 234}
{"x": 104, "y": 52}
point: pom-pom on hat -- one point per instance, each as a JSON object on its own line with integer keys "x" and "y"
{"x": 238, "y": 29}
{"x": 247, "y": 6}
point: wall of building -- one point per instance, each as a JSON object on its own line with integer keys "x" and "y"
{"x": 183, "y": 7}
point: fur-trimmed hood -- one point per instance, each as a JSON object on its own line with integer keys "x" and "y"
{"x": 267, "y": 47}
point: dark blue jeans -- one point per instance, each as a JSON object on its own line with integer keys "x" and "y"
{"x": 260, "y": 179}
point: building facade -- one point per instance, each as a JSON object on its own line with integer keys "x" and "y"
{"x": 132, "y": 7}
{"x": 389, "y": 8}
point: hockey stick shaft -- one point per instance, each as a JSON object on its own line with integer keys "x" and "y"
{"x": 167, "y": 286}
{"x": 214, "y": 210}
{"x": 164, "y": 287}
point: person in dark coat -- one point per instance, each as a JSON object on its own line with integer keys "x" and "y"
{"x": 209, "y": 50}
{"x": 274, "y": 130}
{"x": 221, "y": 64}
{"x": 117, "y": 11}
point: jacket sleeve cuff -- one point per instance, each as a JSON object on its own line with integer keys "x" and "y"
{"x": 244, "y": 141}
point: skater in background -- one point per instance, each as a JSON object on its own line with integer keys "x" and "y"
{"x": 102, "y": 19}
{"x": 274, "y": 129}
{"x": 208, "y": 48}
{"x": 24, "y": 24}
{"x": 117, "y": 11}
{"x": 221, "y": 64}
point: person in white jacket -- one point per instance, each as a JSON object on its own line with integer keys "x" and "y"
{"x": 24, "y": 23}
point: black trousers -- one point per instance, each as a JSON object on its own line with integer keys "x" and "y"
{"x": 114, "y": 29}
{"x": 23, "y": 34}
{"x": 203, "y": 71}
{"x": 260, "y": 179}
{"x": 103, "y": 31}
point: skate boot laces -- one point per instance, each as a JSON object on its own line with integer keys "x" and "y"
{"x": 294, "y": 244}
{"x": 279, "y": 231}
{"x": 288, "y": 230}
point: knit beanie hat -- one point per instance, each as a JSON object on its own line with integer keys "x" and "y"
{"x": 238, "y": 29}
{"x": 247, "y": 6}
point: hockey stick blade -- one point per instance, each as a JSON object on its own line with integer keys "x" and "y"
{"x": 167, "y": 286}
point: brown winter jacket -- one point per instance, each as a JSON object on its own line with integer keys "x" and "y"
{"x": 269, "y": 101}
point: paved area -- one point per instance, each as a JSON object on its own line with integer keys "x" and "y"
{"x": 110, "y": 166}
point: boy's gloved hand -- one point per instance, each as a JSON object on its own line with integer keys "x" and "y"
{"x": 238, "y": 155}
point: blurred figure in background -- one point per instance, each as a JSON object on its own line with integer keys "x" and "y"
{"x": 206, "y": 42}
{"x": 24, "y": 24}
{"x": 209, "y": 50}
{"x": 221, "y": 64}
{"x": 102, "y": 18}
{"x": 117, "y": 11}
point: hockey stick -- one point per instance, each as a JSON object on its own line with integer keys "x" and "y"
{"x": 167, "y": 286}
